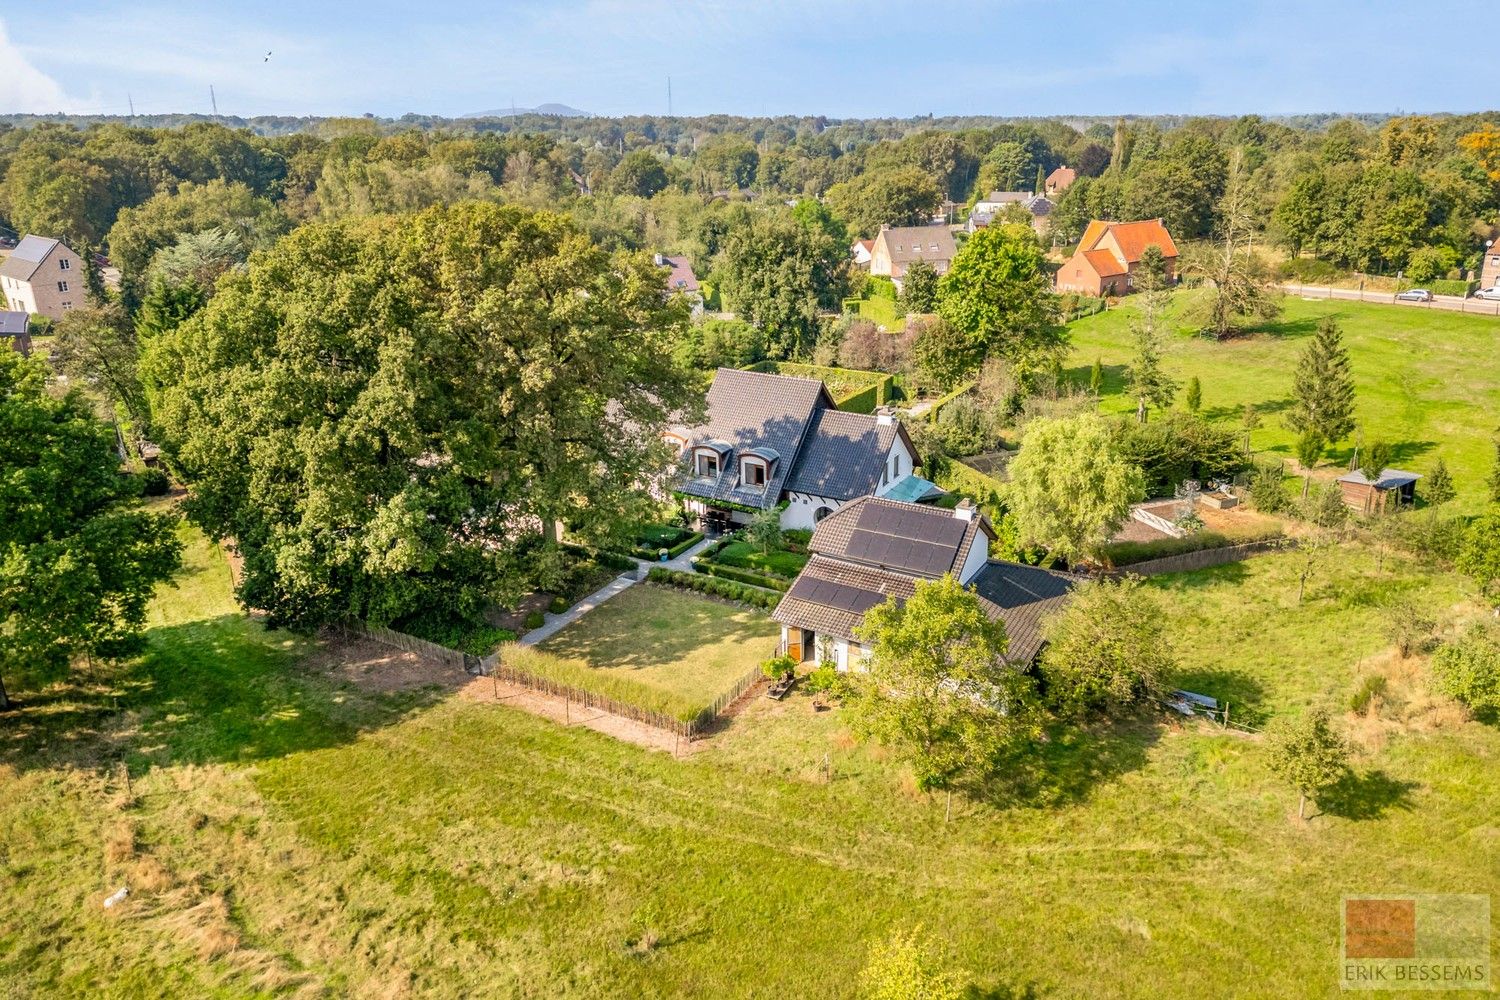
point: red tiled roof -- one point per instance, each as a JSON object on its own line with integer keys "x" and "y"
{"x": 1135, "y": 237}
{"x": 1103, "y": 262}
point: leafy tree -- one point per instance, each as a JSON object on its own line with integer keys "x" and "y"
{"x": 640, "y": 173}
{"x": 902, "y": 197}
{"x": 764, "y": 530}
{"x": 1239, "y": 287}
{"x": 813, "y": 214}
{"x": 1070, "y": 488}
{"x": 1468, "y": 668}
{"x": 97, "y": 347}
{"x": 1438, "y": 487}
{"x": 904, "y": 968}
{"x": 395, "y": 413}
{"x": 78, "y": 560}
{"x": 1249, "y": 421}
{"x": 941, "y": 355}
{"x": 1407, "y": 626}
{"x": 1479, "y": 558}
{"x": 1310, "y": 448}
{"x": 1323, "y": 387}
{"x": 727, "y": 162}
{"x": 939, "y": 692}
{"x": 1107, "y": 651}
{"x": 780, "y": 275}
{"x": 998, "y": 293}
{"x": 1307, "y": 754}
{"x": 1145, "y": 376}
{"x": 1375, "y": 460}
{"x": 919, "y": 287}
{"x": 866, "y": 347}
{"x": 1324, "y": 507}
{"x": 1177, "y": 448}
{"x": 1194, "y": 397}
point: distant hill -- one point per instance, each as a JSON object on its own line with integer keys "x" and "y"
{"x": 561, "y": 110}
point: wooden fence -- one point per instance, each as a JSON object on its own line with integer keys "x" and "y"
{"x": 647, "y": 716}
{"x": 1185, "y": 562}
{"x": 466, "y": 662}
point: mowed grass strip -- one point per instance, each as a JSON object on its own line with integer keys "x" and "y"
{"x": 655, "y": 648}
{"x": 1426, "y": 381}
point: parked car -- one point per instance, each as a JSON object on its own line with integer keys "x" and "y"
{"x": 1415, "y": 295}
{"x": 1488, "y": 293}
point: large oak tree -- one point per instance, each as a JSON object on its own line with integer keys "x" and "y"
{"x": 390, "y": 414}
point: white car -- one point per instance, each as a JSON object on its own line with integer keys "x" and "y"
{"x": 1488, "y": 293}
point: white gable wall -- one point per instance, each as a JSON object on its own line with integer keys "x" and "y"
{"x": 900, "y": 458}
{"x": 801, "y": 508}
{"x": 978, "y": 556}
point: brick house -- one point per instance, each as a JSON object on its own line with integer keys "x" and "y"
{"x": 896, "y": 248}
{"x": 1489, "y": 269}
{"x": 1108, "y": 254}
{"x": 1059, "y": 181}
{"x": 42, "y": 276}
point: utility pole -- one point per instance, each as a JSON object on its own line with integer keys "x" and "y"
{"x": 130, "y": 101}
{"x": 669, "y": 97}
{"x": 213, "y": 99}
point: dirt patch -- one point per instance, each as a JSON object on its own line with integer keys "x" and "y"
{"x": 376, "y": 667}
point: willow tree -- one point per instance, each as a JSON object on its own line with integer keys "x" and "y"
{"x": 389, "y": 414}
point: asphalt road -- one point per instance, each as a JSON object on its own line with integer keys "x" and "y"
{"x": 1452, "y": 303}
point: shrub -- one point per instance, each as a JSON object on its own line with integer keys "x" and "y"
{"x": 1267, "y": 492}
{"x": 475, "y": 638}
{"x": 1452, "y": 286}
{"x": 1128, "y": 553}
{"x": 154, "y": 483}
{"x": 558, "y": 605}
{"x": 1468, "y": 668}
{"x": 1307, "y": 270}
{"x": 1370, "y": 688}
{"x": 964, "y": 428}
{"x": 746, "y": 576}
{"x": 1179, "y": 446}
{"x": 796, "y": 539}
{"x": 535, "y": 619}
{"x": 779, "y": 666}
{"x": 1407, "y": 627}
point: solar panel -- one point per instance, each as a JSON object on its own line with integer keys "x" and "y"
{"x": 835, "y": 595}
{"x": 907, "y": 538}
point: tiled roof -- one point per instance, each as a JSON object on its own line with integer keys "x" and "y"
{"x": 682, "y": 278}
{"x": 27, "y": 257}
{"x": 1024, "y": 596}
{"x": 905, "y": 244}
{"x": 753, "y": 410}
{"x": 1135, "y": 237}
{"x": 1002, "y": 197}
{"x": 843, "y": 455}
{"x": 802, "y": 608}
{"x": 1062, "y": 177}
{"x": 1104, "y": 262}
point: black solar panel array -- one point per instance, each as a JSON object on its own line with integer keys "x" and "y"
{"x": 907, "y": 538}
{"x": 835, "y": 595}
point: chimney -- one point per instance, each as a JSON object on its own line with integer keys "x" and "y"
{"x": 965, "y": 510}
{"x": 884, "y": 226}
{"x": 884, "y": 419}
{"x": 661, "y": 261}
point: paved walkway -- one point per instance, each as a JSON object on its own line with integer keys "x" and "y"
{"x": 684, "y": 562}
{"x": 556, "y": 623}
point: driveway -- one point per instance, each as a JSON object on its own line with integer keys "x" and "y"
{"x": 1451, "y": 303}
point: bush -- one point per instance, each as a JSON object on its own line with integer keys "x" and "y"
{"x": 964, "y": 428}
{"x": 1370, "y": 688}
{"x": 558, "y": 605}
{"x": 154, "y": 483}
{"x": 660, "y": 536}
{"x": 779, "y": 666}
{"x": 535, "y": 619}
{"x": 1179, "y": 446}
{"x": 1468, "y": 669}
{"x": 653, "y": 553}
{"x": 1268, "y": 490}
{"x": 1129, "y": 553}
{"x": 714, "y": 587}
{"x": 796, "y": 539}
{"x": 747, "y": 576}
{"x": 475, "y": 638}
{"x": 1307, "y": 271}
{"x": 1452, "y": 286}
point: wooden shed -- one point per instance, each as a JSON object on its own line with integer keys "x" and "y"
{"x": 1394, "y": 487}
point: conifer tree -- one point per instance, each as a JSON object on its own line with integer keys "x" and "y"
{"x": 1323, "y": 389}
{"x": 1438, "y": 489}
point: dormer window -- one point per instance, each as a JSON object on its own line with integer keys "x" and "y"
{"x": 676, "y": 441}
{"x": 753, "y": 473}
{"x": 708, "y": 465}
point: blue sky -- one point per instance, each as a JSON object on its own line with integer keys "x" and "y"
{"x": 752, "y": 57}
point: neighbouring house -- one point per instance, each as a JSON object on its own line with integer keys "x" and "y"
{"x": 859, "y": 252}
{"x": 42, "y": 276}
{"x": 16, "y": 327}
{"x": 896, "y": 248}
{"x": 682, "y": 280}
{"x": 1059, "y": 181}
{"x": 1489, "y": 269}
{"x": 876, "y": 548}
{"x": 1371, "y": 498}
{"x": 1108, "y": 254}
{"x": 985, "y": 211}
{"x": 770, "y": 440}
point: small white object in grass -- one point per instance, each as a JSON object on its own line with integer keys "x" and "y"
{"x": 117, "y": 897}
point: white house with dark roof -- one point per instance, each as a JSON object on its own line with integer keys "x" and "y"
{"x": 770, "y": 440}
{"x": 42, "y": 276}
{"x": 876, "y": 548}
{"x": 896, "y": 249}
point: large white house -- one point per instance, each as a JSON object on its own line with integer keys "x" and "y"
{"x": 774, "y": 439}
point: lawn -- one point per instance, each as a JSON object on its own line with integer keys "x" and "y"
{"x": 777, "y": 562}
{"x": 1427, "y": 381}
{"x": 682, "y": 649}
{"x": 286, "y": 834}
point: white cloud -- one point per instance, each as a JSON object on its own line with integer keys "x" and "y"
{"x": 23, "y": 87}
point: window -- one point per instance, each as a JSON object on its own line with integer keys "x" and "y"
{"x": 895, "y": 466}
{"x": 67, "y": 305}
{"x": 62, "y": 286}
{"x": 64, "y": 264}
{"x": 821, "y": 513}
{"x": 753, "y": 473}
{"x": 708, "y": 465}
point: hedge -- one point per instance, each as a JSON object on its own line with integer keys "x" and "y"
{"x": 956, "y": 477}
{"x": 931, "y": 415}
{"x": 863, "y": 391}
{"x": 715, "y": 587}
{"x": 609, "y": 560}
{"x": 1452, "y": 286}
{"x": 652, "y": 555}
{"x": 1075, "y": 306}
{"x": 751, "y": 577}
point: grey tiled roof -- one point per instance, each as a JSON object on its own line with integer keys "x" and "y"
{"x": 753, "y": 410}
{"x": 843, "y": 455}
{"x": 1025, "y": 596}
{"x": 906, "y": 244}
{"x": 1389, "y": 479}
{"x": 27, "y": 257}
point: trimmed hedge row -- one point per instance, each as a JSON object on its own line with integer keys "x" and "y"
{"x": 751, "y": 577}
{"x": 956, "y": 477}
{"x": 875, "y": 388}
{"x": 931, "y": 415}
{"x": 1452, "y": 286}
{"x": 715, "y": 587}
{"x": 652, "y": 555}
